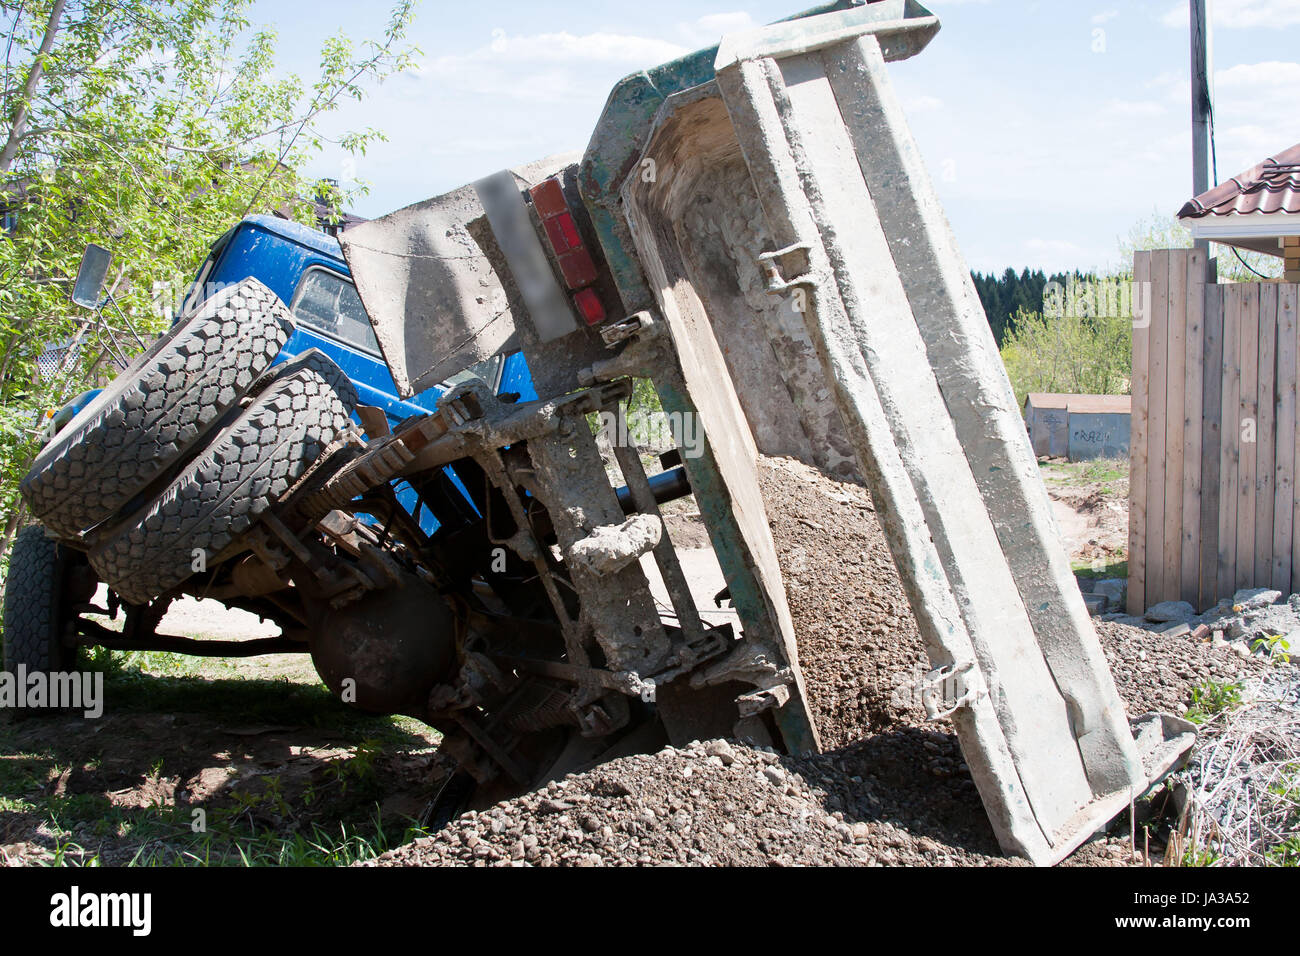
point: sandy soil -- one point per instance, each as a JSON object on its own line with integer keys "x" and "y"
{"x": 1090, "y": 504}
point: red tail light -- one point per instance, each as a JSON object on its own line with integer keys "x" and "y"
{"x": 576, "y": 264}
{"x": 589, "y": 305}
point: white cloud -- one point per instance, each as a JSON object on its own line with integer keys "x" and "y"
{"x": 1133, "y": 108}
{"x": 1252, "y": 76}
{"x": 1254, "y": 112}
{"x": 547, "y": 66}
{"x": 561, "y": 47}
{"x": 1104, "y": 17}
{"x": 1250, "y": 124}
{"x": 921, "y": 103}
{"x": 709, "y": 29}
{"x": 1241, "y": 14}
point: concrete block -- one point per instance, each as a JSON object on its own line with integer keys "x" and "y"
{"x": 1167, "y": 611}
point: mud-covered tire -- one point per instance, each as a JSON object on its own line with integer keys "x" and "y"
{"x": 33, "y": 593}
{"x": 318, "y": 362}
{"x": 156, "y": 410}
{"x": 219, "y": 495}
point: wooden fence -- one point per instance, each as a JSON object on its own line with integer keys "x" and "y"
{"x": 1212, "y": 497}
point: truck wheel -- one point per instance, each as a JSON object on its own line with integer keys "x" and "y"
{"x": 159, "y": 407}
{"x": 218, "y": 496}
{"x": 33, "y": 597}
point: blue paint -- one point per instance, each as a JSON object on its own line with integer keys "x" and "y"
{"x": 279, "y": 254}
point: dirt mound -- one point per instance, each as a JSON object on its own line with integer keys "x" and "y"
{"x": 1154, "y": 672}
{"x": 714, "y": 803}
{"x": 858, "y": 642}
{"x": 718, "y": 803}
{"x": 898, "y": 799}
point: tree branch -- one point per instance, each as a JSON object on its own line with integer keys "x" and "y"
{"x": 10, "y": 149}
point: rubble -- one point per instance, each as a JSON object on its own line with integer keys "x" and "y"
{"x": 1254, "y": 621}
{"x": 1178, "y": 612}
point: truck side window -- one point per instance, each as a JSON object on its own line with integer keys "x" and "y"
{"x": 327, "y": 302}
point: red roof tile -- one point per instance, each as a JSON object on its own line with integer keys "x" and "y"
{"x": 1271, "y": 187}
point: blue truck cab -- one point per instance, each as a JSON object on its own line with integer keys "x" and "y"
{"x": 306, "y": 269}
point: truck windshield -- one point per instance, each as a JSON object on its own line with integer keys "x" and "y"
{"x": 328, "y": 303}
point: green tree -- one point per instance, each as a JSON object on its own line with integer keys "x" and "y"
{"x": 1164, "y": 232}
{"x": 1079, "y": 343}
{"x": 149, "y": 126}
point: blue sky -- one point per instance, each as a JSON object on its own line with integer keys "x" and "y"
{"x": 1051, "y": 127}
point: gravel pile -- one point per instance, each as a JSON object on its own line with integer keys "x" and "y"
{"x": 1157, "y": 672}
{"x": 858, "y": 641}
{"x": 709, "y": 804}
{"x": 890, "y": 789}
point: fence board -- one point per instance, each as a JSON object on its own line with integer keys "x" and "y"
{"x": 1289, "y": 306}
{"x": 1263, "y": 569}
{"x": 1211, "y": 416}
{"x": 1137, "y": 510}
{"x": 1248, "y": 429}
{"x": 1193, "y": 272}
{"x": 1284, "y": 458}
{"x": 1175, "y": 416}
{"x": 1230, "y": 432}
{"x": 1156, "y": 587}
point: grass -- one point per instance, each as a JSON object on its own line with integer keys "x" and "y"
{"x": 330, "y": 814}
{"x": 1098, "y": 569}
{"x": 229, "y": 844}
{"x": 1213, "y": 698}
{"x": 1111, "y": 474}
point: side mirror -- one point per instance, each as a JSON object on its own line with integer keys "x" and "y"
{"x": 90, "y": 277}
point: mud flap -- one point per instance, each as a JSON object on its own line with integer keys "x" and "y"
{"x": 865, "y": 256}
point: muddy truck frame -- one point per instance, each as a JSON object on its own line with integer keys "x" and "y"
{"x": 752, "y": 230}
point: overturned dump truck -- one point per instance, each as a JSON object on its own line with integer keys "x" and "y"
{"x": 752, "y": 230}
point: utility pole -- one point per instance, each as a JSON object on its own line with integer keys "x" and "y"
{"x": 1200, "y": 103}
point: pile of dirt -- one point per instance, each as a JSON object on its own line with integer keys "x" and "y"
{"x": 1156, "y": 672}
{"x": 1093, "y": 520}
{"x": 707, "y": 804}
{"x": 858, "y": 642}
{"x": 897, "y": 799}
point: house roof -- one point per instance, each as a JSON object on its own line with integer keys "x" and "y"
{"x": 1048, "y": 399}
{"x": 1100, "y": 404}
{"x": 1272, "y": 186}
{"x": 1081, "y": 404}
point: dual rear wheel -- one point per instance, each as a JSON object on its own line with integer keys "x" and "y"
{"x": 179, "y": 455}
